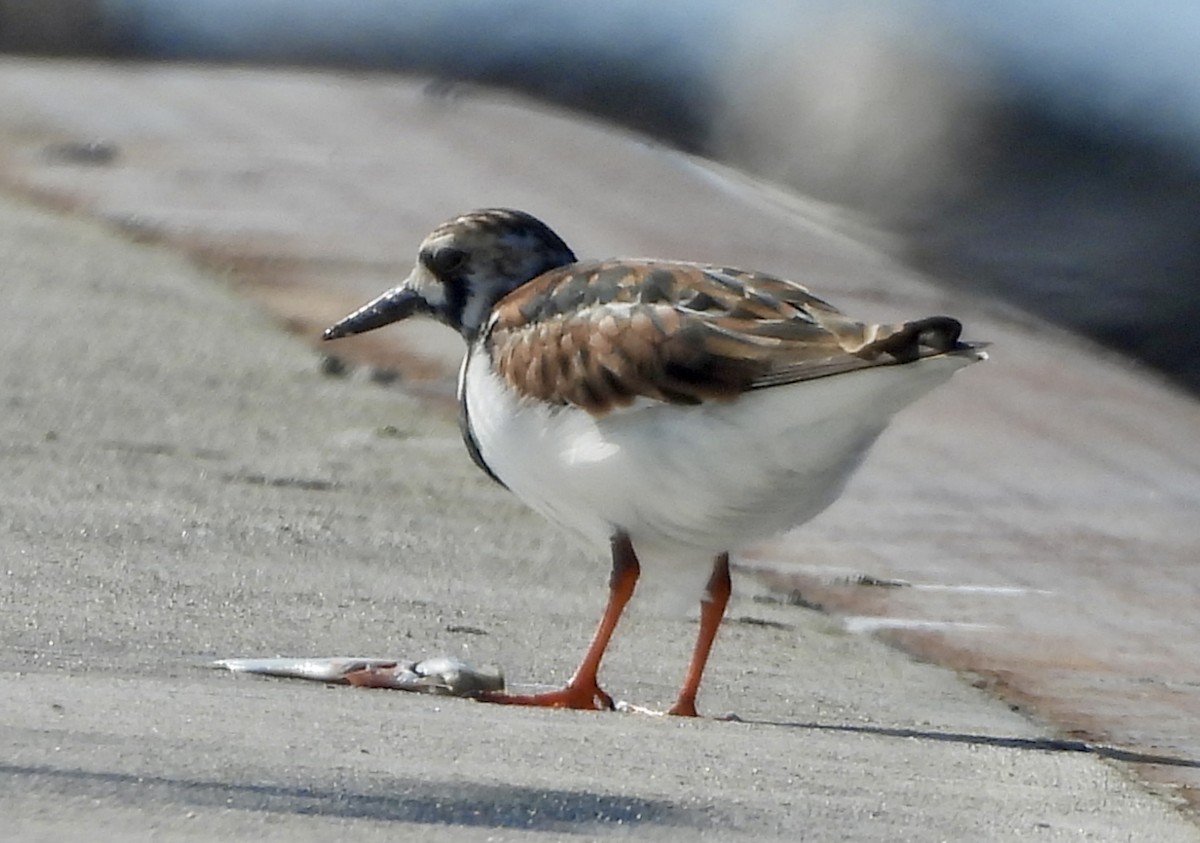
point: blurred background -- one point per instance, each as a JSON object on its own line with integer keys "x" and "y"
{"x": 1042, "y": 152}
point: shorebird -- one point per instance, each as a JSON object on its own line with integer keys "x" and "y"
{"x": 672, "y": 411}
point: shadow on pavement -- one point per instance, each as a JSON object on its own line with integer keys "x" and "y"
{"x": 406, "y": 800}
{"x": 1036, "y": 744}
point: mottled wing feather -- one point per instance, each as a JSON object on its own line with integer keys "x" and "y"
{"x": 599, "y": 335}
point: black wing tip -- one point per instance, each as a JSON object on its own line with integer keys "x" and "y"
{"x": 939, "y": 333}
{"x": 932, "y": 336}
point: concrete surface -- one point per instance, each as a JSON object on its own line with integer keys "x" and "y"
{"x": 182, "y": 483}
{"x": 1042, "y": 507}
{"x": 185, "y": 485}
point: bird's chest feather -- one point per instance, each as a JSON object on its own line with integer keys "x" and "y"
{"x": 552, "y": 457}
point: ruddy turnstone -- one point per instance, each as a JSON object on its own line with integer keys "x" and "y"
{"x": 672, "y": 411}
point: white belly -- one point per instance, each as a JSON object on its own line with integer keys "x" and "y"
{"x": 691, "y": 481}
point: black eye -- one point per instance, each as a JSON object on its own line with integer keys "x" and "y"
{"x": 446, "y": 261}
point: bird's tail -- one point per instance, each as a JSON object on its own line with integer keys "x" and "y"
{"x": 929, "y": 337}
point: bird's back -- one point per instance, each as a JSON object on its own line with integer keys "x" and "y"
{"x": 601, "y": 334}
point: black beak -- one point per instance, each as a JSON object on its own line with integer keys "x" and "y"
{"x": 396, "y": 304}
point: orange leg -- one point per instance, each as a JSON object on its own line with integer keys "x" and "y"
{"x": 712, "y": 610}
{"x": 583, "y": 691}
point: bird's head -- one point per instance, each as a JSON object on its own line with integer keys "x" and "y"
{"x": 463, "y": 268}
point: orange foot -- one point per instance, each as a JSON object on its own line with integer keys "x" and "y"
{"x": 583, "y": 696}
{"x": 684, "y": 708}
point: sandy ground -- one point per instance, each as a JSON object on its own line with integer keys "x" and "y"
{"x": 183, "y": 484}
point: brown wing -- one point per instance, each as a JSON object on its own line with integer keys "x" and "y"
{"x": 598, "y": 335}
